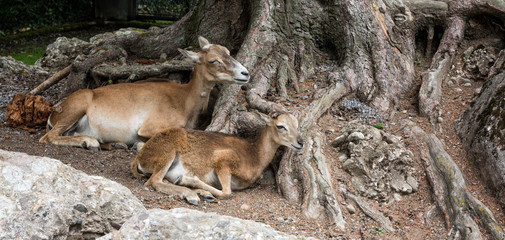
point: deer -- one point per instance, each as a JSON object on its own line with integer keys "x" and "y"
{"x": 211, "y": 164}
{"x": 127, "y": 114}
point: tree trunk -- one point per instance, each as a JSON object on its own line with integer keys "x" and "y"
{"x": 369, "y": 47}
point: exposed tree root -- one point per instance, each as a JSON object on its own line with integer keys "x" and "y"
{"x": 52, "y": 80}
{"x": 319, "y": 199}
{"x": 137, "y": 72}
{"x": 371, "y": 212}
{"x": 460, "y": 208}
{"x": 430, "y": 93}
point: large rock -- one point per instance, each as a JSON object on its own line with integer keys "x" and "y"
{"x": 10, "y": 66}
{"x": 182, "y": 223}
{"x": 42, "y": 198}
{"x": 379, "y": 164}
{"x": 62, "y": 53}
{"x": 482, "y": 130}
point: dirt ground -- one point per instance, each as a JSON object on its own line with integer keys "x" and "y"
{"x": 414, "y": 217}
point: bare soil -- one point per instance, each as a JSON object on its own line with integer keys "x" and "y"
{"x": 414, "y": 217}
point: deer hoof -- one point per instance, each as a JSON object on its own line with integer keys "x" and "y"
{"x": 119, "y": 146}
{"x": 178, "y": 180}
{"x": 193, "y": 202}
{"x": 208, "y": 198}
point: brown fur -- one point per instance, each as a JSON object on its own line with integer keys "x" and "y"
{"x": 132, "y": 112}
{"x": 203, "y": 154}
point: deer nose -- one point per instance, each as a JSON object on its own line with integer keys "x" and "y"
{"x": 300, "y": 141}
{"x": 245, "y": 73}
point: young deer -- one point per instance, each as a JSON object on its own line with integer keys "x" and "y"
{"x": 208, "y": 161}
{"x": 129, "y": 113}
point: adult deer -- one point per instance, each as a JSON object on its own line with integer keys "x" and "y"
{"x": 130, "y": 113}
{"x": 208, "y": 161}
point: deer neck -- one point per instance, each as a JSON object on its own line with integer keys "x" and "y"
{"x": 266, "y": 148}
{"x": 199, "y": 89}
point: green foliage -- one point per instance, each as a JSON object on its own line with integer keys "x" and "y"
{"x": 378, "y": 230}
{"x": 379, "y": 125}
{"x": 31, "y": 55}
{"x": 21, "y": 15}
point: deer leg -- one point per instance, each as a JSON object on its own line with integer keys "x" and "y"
{"x": 65, "y": 117}
{"x": 195, "y": 182}
{"x": 114, "y": 145}
{"x": 156, "y": 182}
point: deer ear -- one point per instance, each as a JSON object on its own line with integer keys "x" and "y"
{"x": 189, "y": 54}
{"x": 204, "y": 43}
{"x": 265, "y": 118}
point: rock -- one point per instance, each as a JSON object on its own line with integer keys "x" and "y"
{"x": 413, "y": 183}
{"x": 379, "y": 164}
{"x": 481, "y": 128}
{"x": 350, "y": 208}
{"x": 467, "y": 85}
{"x": 62, "y": 53}
{"x": 10, "y": 66}
{"x": 356, "y": 136}
{"x": 42, "y": 198}
{"x": 183, "y": 223}
{"x": 245, "y": 207}
{"x": 478, "y": 61}
{"x": 440, "y": 119}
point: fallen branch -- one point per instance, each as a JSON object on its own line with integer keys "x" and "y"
{"x": 52, "y": 80}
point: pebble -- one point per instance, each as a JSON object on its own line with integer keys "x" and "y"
{"x": 466, "y": 80}
{"x": 440, "y": 119}
{"x": 477, "y": 90}
{"x": 459, "y": 90}
{"x": 467, "y": 85}
{"x": 341, "y": 118}
{"x": 245, "y": 207}
{"x": 397, "y": 197}
{"x": 350, "y": 208}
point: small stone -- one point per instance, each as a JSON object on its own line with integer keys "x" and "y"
{"x": 280, "y": 219}
{"x": 450, "y": 83}
{"x": 245, "y": 207}
{"x": 466, "y": 80}
{"x": 350, "y": 208}
{"x": 440, "y": 119}
{"x": 477, "y": 91}
{"x": 397, "y": 197}
{"x": 404, "y": 111}
{"x": 341, "y": 119}
{"x": 467, "y": 85}
{"x": 413, "y": 183}
{"x": 305, "y": 97}
{"x": 459, "y": 90}
{"x": 315, "y": 86}
{"x": 355, "y": 136}
{"x": 163, "y": 56}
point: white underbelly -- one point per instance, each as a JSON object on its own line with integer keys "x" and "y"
{"x": 107, "y": 130}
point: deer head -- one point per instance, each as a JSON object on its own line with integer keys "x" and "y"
{"x": 215, "y": 61}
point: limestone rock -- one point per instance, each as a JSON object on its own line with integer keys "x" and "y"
{"x": 183, "y": 223}
{"x": 482, "y": 130}
{"x": 379, "y": 164}
{"x": 42, "y": 198}
{"x": 62, "y": 53}
{"x": 478, "y": 61}
{"x": 10, "y": 66}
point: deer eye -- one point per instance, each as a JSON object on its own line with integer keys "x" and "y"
{"x": 213, "y": 61}
{"x": 280, "y": 127}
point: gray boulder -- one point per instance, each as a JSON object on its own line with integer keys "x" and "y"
{"x": 183, "y": 223}
{"x": 10, "y": 66}
{"x": 42, "y": 198}
{"x": 62, "y": 53}
{"x": 482, "y": 130}
{"x": 379, "y": 164}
